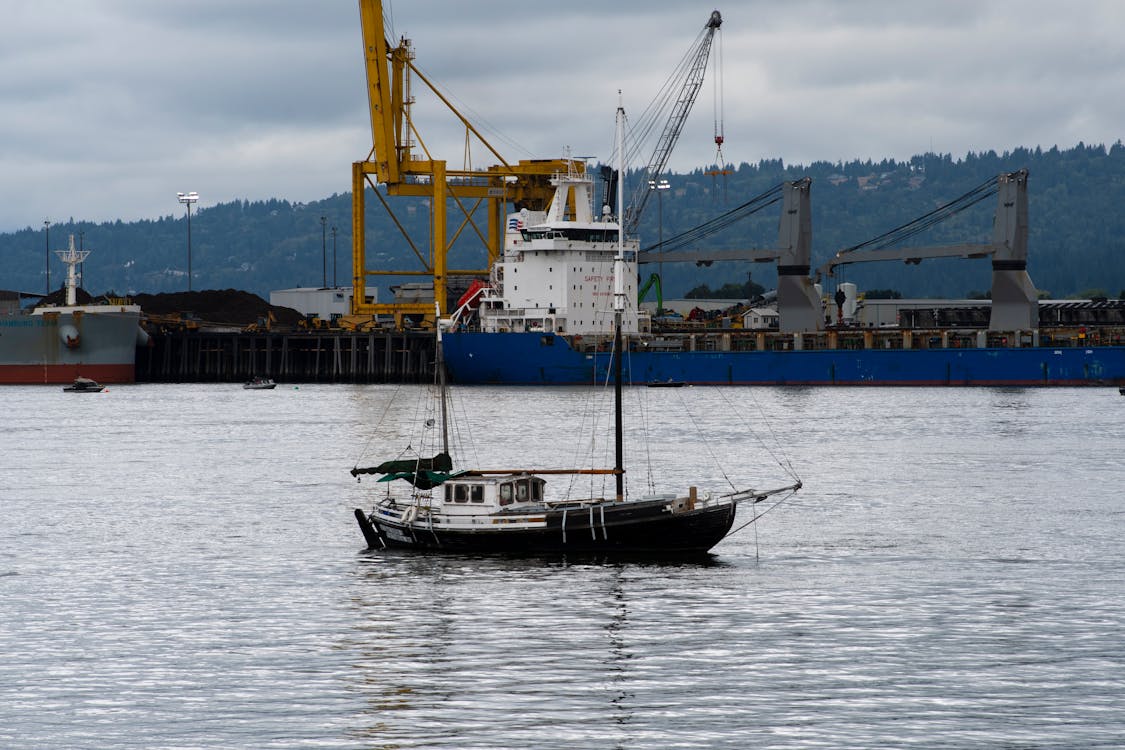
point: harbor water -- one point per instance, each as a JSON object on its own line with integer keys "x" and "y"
{"x": 180, "y": 568}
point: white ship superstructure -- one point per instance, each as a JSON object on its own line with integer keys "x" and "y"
{"x": 556, "y": 274}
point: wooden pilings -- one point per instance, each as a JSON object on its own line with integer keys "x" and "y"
{"x": 305, "y": 357}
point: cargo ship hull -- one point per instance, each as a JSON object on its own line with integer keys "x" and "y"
{"x": 530, "y": 358}
{"x": 57, "y": 346}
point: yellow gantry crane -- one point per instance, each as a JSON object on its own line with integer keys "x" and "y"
{"x": 392, "y": 162}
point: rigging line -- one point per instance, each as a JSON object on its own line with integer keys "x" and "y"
{"x": 608, "y": 447}
{"x": 784, "y": 463}
{"x": 583, "y": 451}
{"x": 702, "y": 232}
{"x": 643, "y": 409}
{"x": 706, "y": 443}
{"x": 766, "y": 199}
{"x": 462, "y": 430}
{"x": 722, "y": 222}
{"x": 911, "y": 228}
{"x": 989, "y": 185}
{"x": 936, "y": 220}
{"x": 389, "y": 18}
{"x": 586, "y": 451}
{"x": 378, "y": 425}
{"x": 930, "y": 220}
{"x": 473, "y": 116}
{"x": 759, "y": 515}
{"x": 667, "y": 96}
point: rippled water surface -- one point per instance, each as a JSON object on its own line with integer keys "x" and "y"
{"x": 179, "y": 568}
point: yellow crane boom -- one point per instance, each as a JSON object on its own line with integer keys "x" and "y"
{"x": 390, "y": 70}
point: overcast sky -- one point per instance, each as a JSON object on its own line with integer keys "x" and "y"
{"x": 109, "y": 108}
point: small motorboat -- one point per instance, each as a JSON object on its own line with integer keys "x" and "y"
{"x": 669, "y": 383}
{"x": 84, "y": 385}
{"x": 259, "y": 384}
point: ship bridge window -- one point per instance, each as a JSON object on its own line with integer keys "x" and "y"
{"x": 506, "y": 494}
{"x": 593, "y": 235}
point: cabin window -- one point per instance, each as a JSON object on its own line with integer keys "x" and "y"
{"x": 521, "y": 490}
{"x": 537, "y": 489}
{"x": 505, "y": 494}
{"x": 476, "y": 493}
{"x": 460, "y": 493}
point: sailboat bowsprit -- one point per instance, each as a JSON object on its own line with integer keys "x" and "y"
{"x": 434, "y": 507}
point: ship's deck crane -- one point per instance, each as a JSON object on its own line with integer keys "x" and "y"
{"x": 393, "y": 163}
{"x": 798, "y": 305}
{"x": 1014, "y": 302}
{"x": 692, "y": 69}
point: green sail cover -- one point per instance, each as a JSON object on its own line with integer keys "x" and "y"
{"x": 423, "y": 480}
{"x": 440, "y": 462}
{"x": 423, "y": 473}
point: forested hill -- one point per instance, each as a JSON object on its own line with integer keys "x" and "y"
{"x": 1076, "y": 242}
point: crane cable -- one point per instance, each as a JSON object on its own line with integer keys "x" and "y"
{"x": 717, "y": 84}
{"x": 672, "y": 106}
{"x": 985, "y": 190}
{"x": 720, "y": 222}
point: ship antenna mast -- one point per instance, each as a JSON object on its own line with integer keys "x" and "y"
{"x": 72, "y": 258}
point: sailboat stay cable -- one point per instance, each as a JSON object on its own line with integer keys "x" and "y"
{"x": 462, "y": 431}
{"x": 783, "y": 462}
{"x": 584, "y": 451}
{"x": 756, "y": 516}
{"x": 378, "y": 425}
{"x": 643, "y": 411}
{"x": 706, "y": 443}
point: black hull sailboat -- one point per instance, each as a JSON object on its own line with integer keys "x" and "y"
{"x": 650, "y": 527}
{"x": 509, "y": 511}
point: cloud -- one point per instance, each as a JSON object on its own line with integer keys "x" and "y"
{"x": 110, "y": 108}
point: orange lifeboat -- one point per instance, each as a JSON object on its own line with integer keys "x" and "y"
{"x": 472, "y": 296}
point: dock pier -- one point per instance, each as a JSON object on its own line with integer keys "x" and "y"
{"x": 294, "y": 357}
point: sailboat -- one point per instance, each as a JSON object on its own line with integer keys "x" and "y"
{"x": 431, "y": 506}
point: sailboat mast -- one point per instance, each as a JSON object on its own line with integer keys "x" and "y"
{"x": 440, "y": 366}
{"x": 619, "y": 301}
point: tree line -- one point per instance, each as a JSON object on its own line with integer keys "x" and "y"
{"x": 1076, "y": 244}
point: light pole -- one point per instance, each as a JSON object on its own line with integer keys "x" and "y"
{"x": 660, "y": 186}
{"x": 334, "y": 258}
{"x": 324, "y": 252}
{"x": 187, "y": 199}
{"x": 47, "y": 233}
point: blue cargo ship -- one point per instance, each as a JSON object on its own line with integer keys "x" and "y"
{"x": 542, "y": 317}
{"x": 528, "y": 358}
